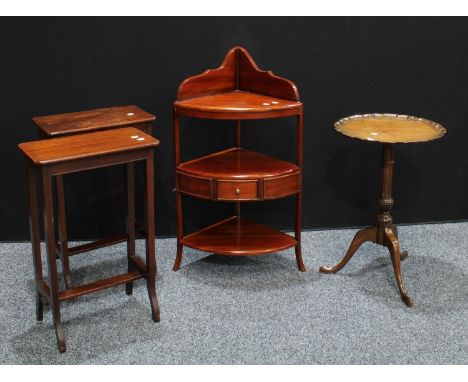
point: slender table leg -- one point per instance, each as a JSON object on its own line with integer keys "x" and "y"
{"x": 150, "y": 244}
{"x": 63, "y": 234}
{"x": 298, "y": 224}
{"x": 297, "y": 248}
{"x": 238, "y": 144}
{"x": 176, "y": 127}
{"x": 385, "y": 232}
{"x": 35, "y": 238}
{"x": 51, "y": 259}
{"x": 178, "y": 259}
{"x": 130, "y": 170}
{"x": 147, "y": 128}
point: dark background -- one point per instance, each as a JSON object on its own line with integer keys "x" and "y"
{"x": 341, "y": 66}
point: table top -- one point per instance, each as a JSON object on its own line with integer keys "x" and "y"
{"x": 72, "y": 147}
{"x": 389, "y": 128}
{"x": 88, "y": 120}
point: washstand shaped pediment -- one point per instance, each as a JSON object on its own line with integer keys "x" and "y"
{"x": 238, "y": 72}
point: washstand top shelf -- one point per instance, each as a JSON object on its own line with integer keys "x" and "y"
{"x": 237, "y": 101}
{"x": 389, "y": 128}
{"x": 238, "y": 89}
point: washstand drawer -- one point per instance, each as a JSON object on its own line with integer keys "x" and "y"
{"x": 237, "y": 190}
{"x": 194, "y": 185}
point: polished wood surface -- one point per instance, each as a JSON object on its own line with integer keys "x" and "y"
{"x": 197, "y": 186}
{"x": 389, "y": 128}
{"x": 237, "y": 90}
{"x": 237, "y": 190}
{"x": 238, "y": 163}
{"x": 43, "y": 158}
{"x": 87, "y": 145}
{"x": 237, "y": 101}
{"x": 282, "y": 185}
{"x": 252, "y": 79}
{"x": 98, "y": 285}
{"x": 211, "y": 81}
{"x": 237, "y": 72}
{"x": 238, "y": 174}
{"x": 239, "y": 236}
{"x": 89, "y": 120}
{"x": 81, "y": 122}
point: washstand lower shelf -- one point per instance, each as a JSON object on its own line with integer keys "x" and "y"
{"x": 238, "y": 236}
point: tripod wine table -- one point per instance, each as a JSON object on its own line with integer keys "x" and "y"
{"x": 387, "y": 129}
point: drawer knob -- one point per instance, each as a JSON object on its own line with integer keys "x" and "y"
{"x": 237, "y": 191}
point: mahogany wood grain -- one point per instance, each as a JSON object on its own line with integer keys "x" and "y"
{"x": 87, "y": 145}
{"x": 237, "y": 164}
{"x": 35, "y": 237}
{"x": 237, "y": 190}
{"x": 281, "y": 186}
{"x": 238, "y": 133}
{"x": 298, "y": 221}
{"x": 236, "y": 101}
{"x": 239, "y": 237}
{"x": 130, "y": 222}
{"x": 385, "y": 128}
{"x": 90, "y": 120}
{"x": 44, "y": 291}
{"x": 237, "y": 72}
{"x": 86, "y": 247}
{"x": 58, "y": 156}
{"x": 62, "y": 231}
{"x": 238, "y": 174}
{"x": 195, "y": 185}
{"x": 241, "y": 115}
{"x": 49, "y": 233}
{"x": 255, "y": 80}
{"x": 99, "y": 285}
{"x": 82, "y": 122}
{"x": 138, "y": 264}
{"x": 211, "y": 81}
{"x": 237, "y": 90}
{"x": 389, "y": 128}
{"x": 151, "y": 270}
{"x": 180, "y": 231}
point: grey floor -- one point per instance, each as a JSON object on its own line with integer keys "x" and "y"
{"x": 256, "y": 310}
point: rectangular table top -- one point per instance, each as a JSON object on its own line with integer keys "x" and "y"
{"x": 88, "y": 120}
{"x": 81, "y": 146}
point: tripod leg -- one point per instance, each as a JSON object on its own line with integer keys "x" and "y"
{"x": 394, "y": 247}
{"x": 366, "y": 234}
{"x": 404, "y": 254}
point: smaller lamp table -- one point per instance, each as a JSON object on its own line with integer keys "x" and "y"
{"x": 387, "y": 129}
